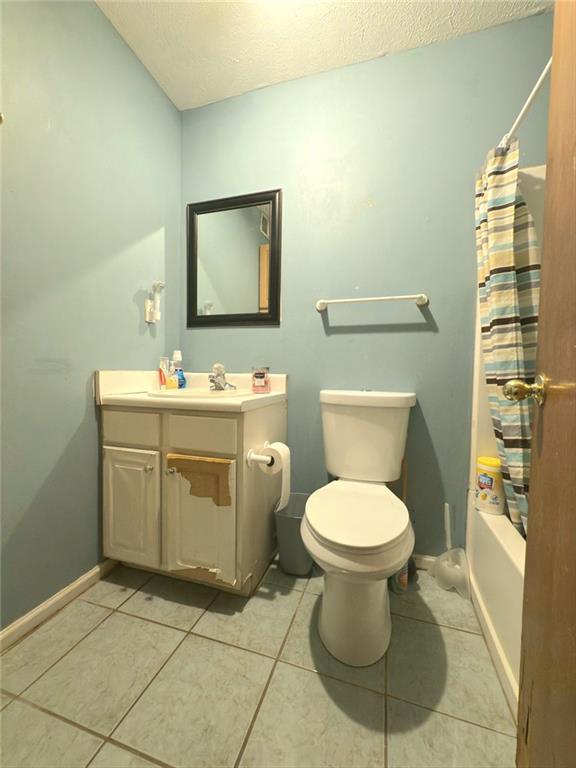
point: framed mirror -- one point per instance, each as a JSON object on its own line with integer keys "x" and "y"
{"x": 234, "y": 260}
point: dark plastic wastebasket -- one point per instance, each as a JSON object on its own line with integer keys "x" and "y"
{"x": 294, "y": 559}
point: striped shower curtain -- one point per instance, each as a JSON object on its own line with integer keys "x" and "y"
{"x": 508, "y": 285}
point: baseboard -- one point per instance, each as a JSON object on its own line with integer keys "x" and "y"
{"x": 424, "y": 562}
{"x": 503, "y": 669}
{"x": 37, "y": 615}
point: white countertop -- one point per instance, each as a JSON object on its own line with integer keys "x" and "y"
{"x": 140, "y": 389}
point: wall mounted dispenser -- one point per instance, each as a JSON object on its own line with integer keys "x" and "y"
{"x": 152, "y": 304}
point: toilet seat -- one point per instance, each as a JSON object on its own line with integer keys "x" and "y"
{"x": 360, "y": 534}
{"x": 357, "y": 518}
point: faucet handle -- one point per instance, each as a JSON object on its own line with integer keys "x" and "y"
{"x": 218, "y": 369}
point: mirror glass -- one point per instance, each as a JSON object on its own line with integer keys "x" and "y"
{"x": 234, "y": 260}
{"x": 233, "y": 255}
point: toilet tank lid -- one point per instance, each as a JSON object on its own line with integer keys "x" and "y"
{"x": 368, "y": 398}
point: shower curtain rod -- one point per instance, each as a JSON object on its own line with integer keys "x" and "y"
{"x": 527, "y": 104}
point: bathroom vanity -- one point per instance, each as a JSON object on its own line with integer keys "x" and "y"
{"x": 177, "y": 494}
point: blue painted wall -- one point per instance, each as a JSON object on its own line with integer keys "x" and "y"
{"x": 377, "y": 164}
{"x": 90, "y": 217}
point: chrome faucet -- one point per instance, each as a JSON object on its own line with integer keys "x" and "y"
{"x": 217, "y": 379}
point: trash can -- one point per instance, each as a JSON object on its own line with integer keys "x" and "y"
{"x": 294, "y": 558}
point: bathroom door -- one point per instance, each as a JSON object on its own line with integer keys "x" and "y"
{"x": 547, "y": 706}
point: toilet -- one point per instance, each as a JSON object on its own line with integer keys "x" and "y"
{"x": 355, "y": 528}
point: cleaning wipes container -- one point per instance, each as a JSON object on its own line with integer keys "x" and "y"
{"x": 489, "y": 488}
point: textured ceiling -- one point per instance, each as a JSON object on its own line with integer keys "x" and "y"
{"x": 201, "y": 52}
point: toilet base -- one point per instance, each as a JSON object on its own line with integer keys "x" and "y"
{"x": 354, "y": 622}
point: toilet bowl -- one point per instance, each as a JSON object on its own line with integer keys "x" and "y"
{"x": 355, "y": 528}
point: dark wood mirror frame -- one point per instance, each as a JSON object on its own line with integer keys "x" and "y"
{"x": 269, "y": 315}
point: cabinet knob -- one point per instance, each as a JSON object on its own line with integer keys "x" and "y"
{"x": 148, "y": 468}
{"x": 170, "y": 470}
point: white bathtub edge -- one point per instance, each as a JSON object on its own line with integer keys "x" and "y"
{"x": 503, "y": 669}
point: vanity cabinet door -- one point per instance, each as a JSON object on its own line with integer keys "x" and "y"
{"x": 200, "y": 515}
{"x": 131, "y": 507}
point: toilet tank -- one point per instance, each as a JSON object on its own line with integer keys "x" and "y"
{"x": 365, "y": 433}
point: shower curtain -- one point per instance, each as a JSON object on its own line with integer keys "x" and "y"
{"x": 508, "y": 285}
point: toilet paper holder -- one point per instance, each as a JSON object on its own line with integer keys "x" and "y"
{"x": 253, "y": 458}
{"x": 273, "y": 459}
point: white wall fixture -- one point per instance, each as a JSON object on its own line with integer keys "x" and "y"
{"x": 152, "y": 304}
{"x": 420, "y": 299}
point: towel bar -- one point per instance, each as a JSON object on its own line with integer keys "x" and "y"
{"x": 421, "y": 300}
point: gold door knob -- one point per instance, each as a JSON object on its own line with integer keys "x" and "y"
{"x": 517, "y": 389}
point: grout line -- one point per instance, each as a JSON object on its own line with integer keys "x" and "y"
{"x": 453, "y": 717}
{"x": 92, "y": 602}
{"x": 9, "y": 696}
{"x": 232, "y": 645}
{"x": 266, "y": 687}
{"x": 116, "y": 607}
{"x": 127, "y": 748}
{"x": 205, "y": 611}
{"x": 437, "y": 624}
{"x": 62, "y": 718}
{"x": 267, "y": 583}
{"x": 138, "y": 753}
{"x": 100, "y": 748}
{"x": 146, "y": 581}
{"x": 155, "y": 621}
{"x": 331, "y": 677}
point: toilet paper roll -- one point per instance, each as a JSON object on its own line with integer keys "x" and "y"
{"x": 281, "y": 455}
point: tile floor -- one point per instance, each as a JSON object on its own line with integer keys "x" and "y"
{"x": 144, "y": 670}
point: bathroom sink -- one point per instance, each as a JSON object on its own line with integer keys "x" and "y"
{"x": 139, "y": 389}
{"x": 192, "y": 393}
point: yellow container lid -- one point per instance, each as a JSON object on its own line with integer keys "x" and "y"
{"x": 488, "y": 461}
